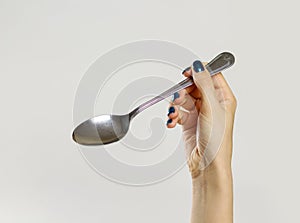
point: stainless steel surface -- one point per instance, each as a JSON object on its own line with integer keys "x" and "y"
{"x": 105, "y": 129}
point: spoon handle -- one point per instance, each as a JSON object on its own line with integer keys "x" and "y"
{"x": 218, "y": 64}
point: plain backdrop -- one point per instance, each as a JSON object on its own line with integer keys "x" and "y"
{"x": 46, "y": 47}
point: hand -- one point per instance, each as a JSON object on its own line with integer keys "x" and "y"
{"x": 206, "y": 112}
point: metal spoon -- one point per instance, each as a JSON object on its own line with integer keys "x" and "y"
{"x": 105, "y": 129}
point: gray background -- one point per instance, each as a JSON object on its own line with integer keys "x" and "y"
{"x": 45, "y": 48}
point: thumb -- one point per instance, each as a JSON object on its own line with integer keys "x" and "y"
{"x": 203, "y": 81}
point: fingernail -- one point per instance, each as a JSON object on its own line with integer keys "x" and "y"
{"x": 169, "y": 121}
{"x": 198, "y": 66}
{"x": 176, "y": 95}
{"x": 171, "y": 110}
{"x": 186, "y": 69}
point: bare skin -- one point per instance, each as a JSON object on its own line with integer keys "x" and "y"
{"x": 206, "y": 112}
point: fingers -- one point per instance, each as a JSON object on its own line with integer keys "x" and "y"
{"x": 224, "y": 91}
{"x": 176, "y": 116}
{"x": 179, "y": 115}
{"x": 187, "y": 72}
{"x": 206, "y": 92}
{"x": 213, "y": 87}
{"x": 173, "y": 117}
{"x": 192, "y": 90}
{"x": 183, "y": 99}
{"x": 202, "y": 78}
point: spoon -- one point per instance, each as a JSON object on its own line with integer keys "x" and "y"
{"x": 105, "y": 129}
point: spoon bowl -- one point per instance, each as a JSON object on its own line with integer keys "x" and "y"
{"x": 102, "y": 130}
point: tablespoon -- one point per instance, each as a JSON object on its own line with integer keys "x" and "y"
{"x": 105, "y": 129}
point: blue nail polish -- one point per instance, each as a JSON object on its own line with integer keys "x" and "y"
{"x": 169, "y": 121}
{"x": 198, "y": 66}
{"x": 186, "y": 69}
{"x": 171, "y": 110}
{"x": 175, "y": 96}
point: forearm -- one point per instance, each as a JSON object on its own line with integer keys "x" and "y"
{"x": 213, "y": 196}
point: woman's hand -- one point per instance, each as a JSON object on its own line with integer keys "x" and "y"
{"x": 206, "y": 112}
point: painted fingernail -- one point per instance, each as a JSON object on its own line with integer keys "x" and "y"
{"x": 169, "y": 121}
{"x": 171, "y": 110}
{"x": 186, "y": 69}
{"x": 198, "y": 66}
{"x": 175, "y": 96}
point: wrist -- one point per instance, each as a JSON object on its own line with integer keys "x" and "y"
{"x": 214, "y": 176}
